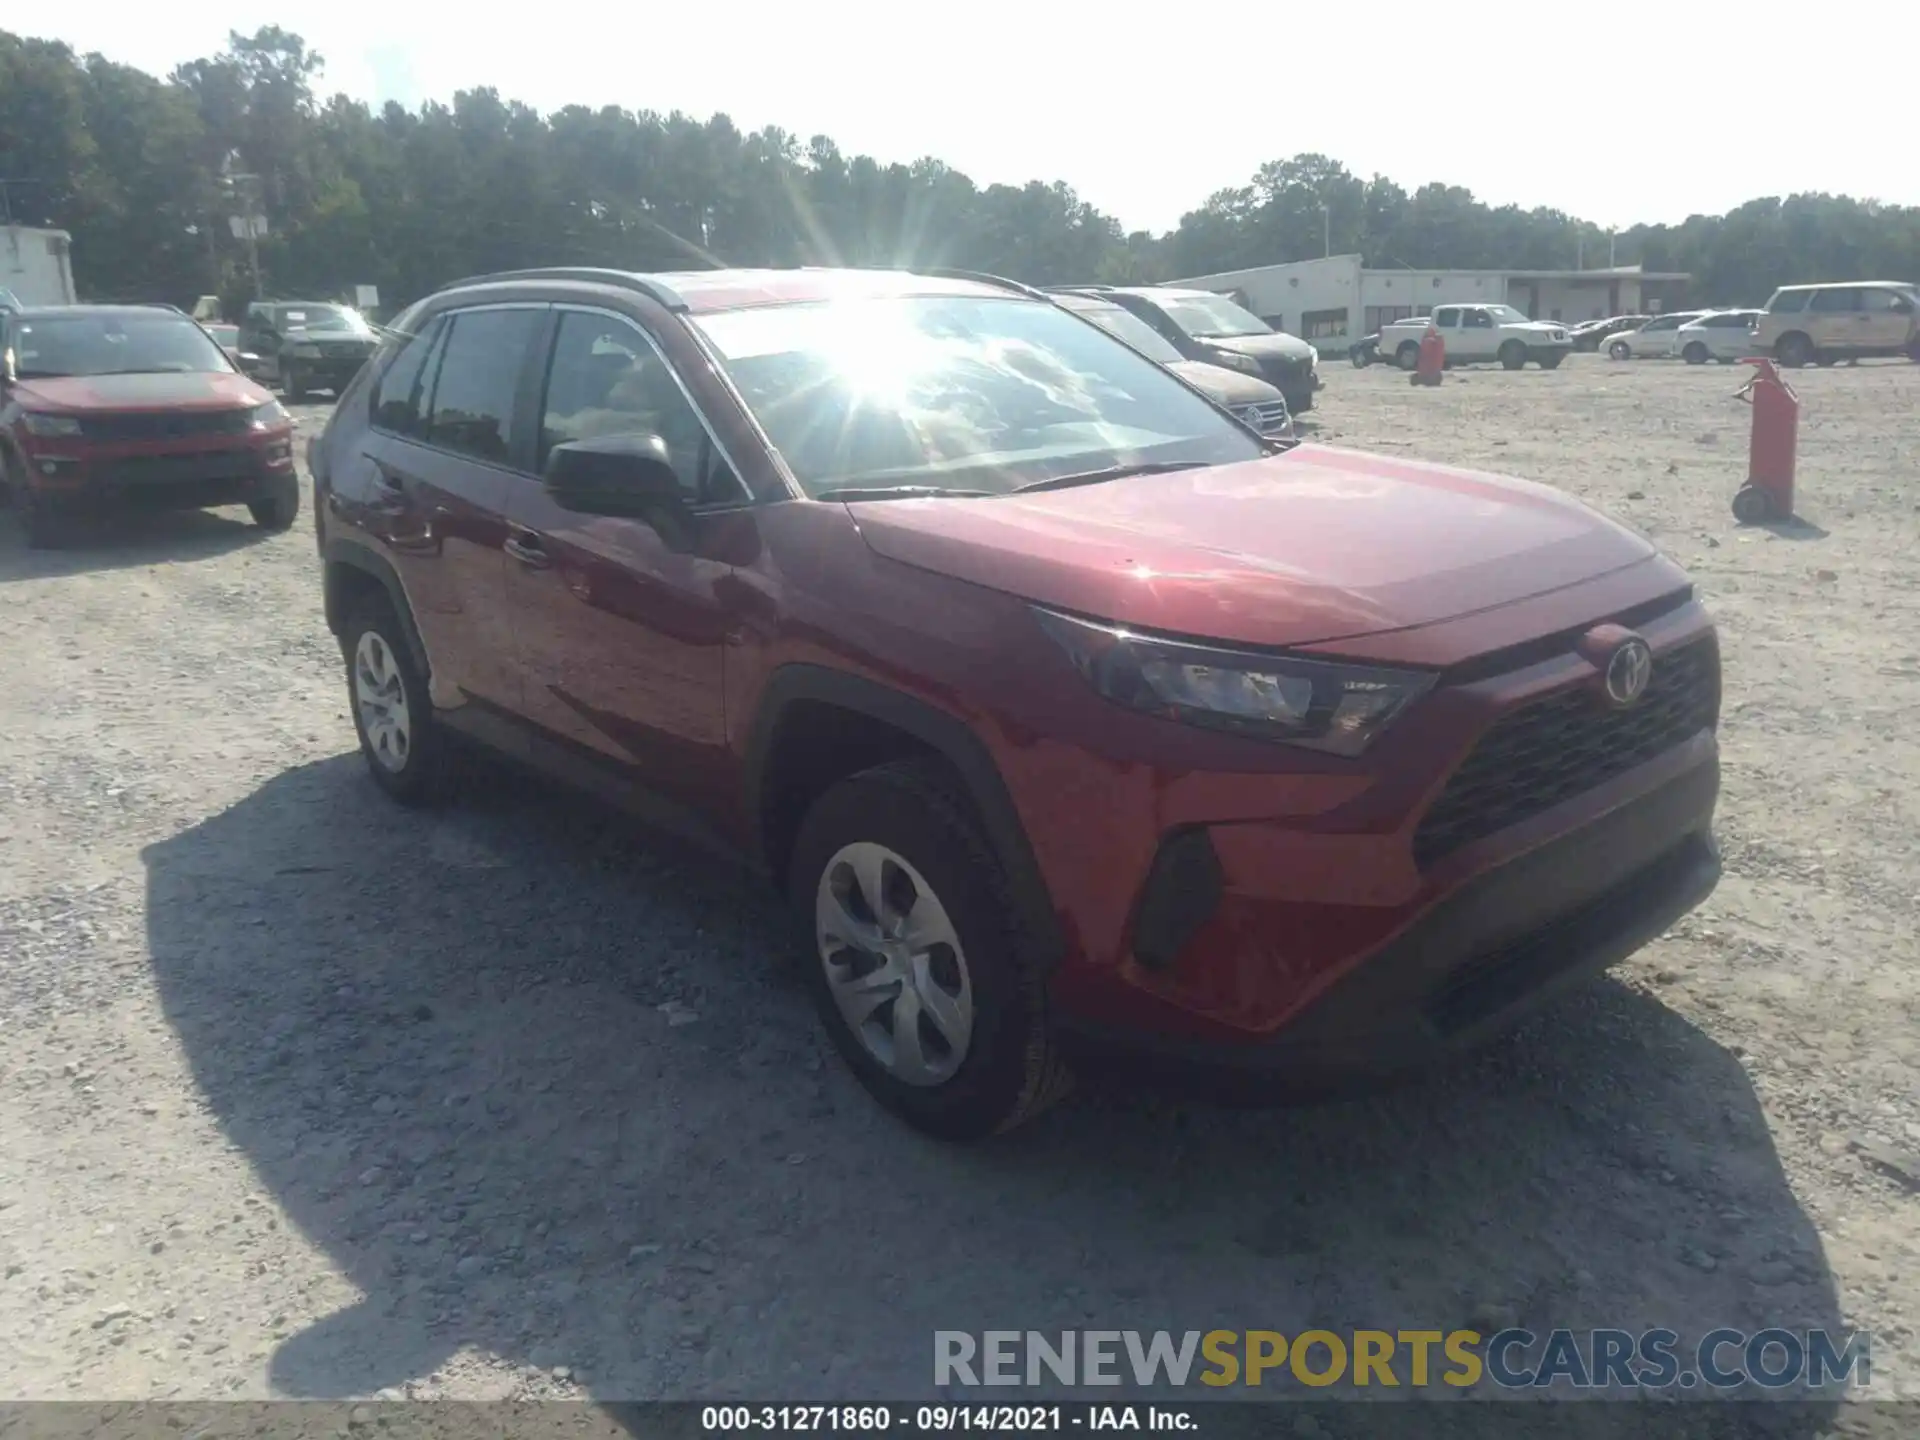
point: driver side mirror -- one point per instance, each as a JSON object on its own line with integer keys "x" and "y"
{"x": 629, "y": 477}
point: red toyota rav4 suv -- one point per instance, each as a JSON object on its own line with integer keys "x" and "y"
{"x": 105, "y": 406}
{"x": 1065, "y": 708}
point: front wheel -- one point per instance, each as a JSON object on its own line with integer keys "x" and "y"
{"x": 1752, "y": 505}
{"x": 921, "y": 969}
{"x": 278, "y": 507}
{"x": 1552, "y": 359}
{"x": 1695, "y": 354}
{"x": 1619, "y": 350}
{"x": 296, "y": 385}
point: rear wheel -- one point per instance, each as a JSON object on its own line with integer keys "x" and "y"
{"x": 1513, "y": 355}
{"x": 296, "y": 385}
{"x": 1794, "y": 350}
{"x": 279, "y": 506}
{"x": 1751, "y": 505}
{"x": 1408, "y": 355}
{"x": 1695, "y": 353}
{"x": 1620, "y": 350}
{"x": 920, "y": 967}
{"x": 392, "y": 713}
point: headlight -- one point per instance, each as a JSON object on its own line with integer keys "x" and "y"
{"x": 1234, "y": 360}
{"x": 1313, "y": 359}
{"x": 1320, "y": 704}
{"x": 38, "y": 424}
{"x": 305, "y": 352}
{"x": 270, "y": 416}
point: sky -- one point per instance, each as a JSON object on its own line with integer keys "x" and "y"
{"x": 1624, "y": 112}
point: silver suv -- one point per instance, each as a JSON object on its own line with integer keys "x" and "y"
{"x": 1820, "y": 324}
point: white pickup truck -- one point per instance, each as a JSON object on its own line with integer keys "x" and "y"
{"x": 1478, "y": 333}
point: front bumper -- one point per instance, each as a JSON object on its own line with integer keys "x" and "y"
{"x": 1480, "y": 959}
{"x": 66, "y": 477}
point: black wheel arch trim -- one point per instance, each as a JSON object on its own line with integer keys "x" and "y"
{"x": 945, "y": 734}
{"x": 368, "y": 561}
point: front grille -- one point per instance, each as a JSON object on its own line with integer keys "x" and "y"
{"x": 140, "y": 470}
{"x": 164, "y": 424}
{"x": 1284, "y": 373}
{"x": 1553, "y": 749}
{"x": 1267, "y": 419}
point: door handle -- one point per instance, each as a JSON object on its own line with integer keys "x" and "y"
{"x": 389, "y": 479}
{"x": 527, "y": 547}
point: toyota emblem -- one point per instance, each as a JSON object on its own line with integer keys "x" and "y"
{"x": 1628, "y": 672}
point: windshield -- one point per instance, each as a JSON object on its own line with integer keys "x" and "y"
{"x": 224, "y": 334}
{"x": 338, "y": 318}
{"x": 1211, "y": 317}
{"x": 1507, "y": 315}
{"x": 960, "y": 393}
{"x": 125, "y": 344}
{"x": 1127, "y": 326}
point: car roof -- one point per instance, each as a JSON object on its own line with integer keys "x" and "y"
{"x": 706, "y": 292}
{"x": 55, "y": 312}
{"x": 1852, "y": 285}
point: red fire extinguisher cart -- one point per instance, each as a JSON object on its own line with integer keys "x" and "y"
{"x": 1768, "y": 493}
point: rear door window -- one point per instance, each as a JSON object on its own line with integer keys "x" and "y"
{"x": 1789, "y": 302}
{"x": 1834, "y": 302}
{"x": 479, "y": 382}
{"x": 1446, "y": 318}
{"x": 406, "y": 385}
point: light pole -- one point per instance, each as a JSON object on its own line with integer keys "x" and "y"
{"x": 1326, "y": 230}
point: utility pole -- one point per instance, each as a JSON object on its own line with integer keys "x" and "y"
{"x": 1326, "y": 230}
{"x": 249, "y": 223}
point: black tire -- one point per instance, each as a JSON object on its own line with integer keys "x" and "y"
{"x": 1513, "y": 355}
{"x": 1752, "y": 506}
{"x": 1011, "y": 1068}
{"x": 1695, "y": 354}
{"x": 1619, "y": 350}
{"x": 1824, "y": 360}
{"x": 279, "y": 507}
{"x": 1913, "y": 352}
{"x": 418, "y": 777}
{"x": 296, "y": 385}
{"x": 1408, "y": 355}
{"x": 1794, "y": 350}
{"x": 41, "y": 526}
{"x": 1551, "y": 360}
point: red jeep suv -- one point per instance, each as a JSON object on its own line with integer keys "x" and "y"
{"x": 110, "y": 406}
{"x": 1065, "y": 708}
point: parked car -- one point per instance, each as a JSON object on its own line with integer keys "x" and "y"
{"x": 1594, "y": 333}
{"x": 1479, "y": 333}
{"x": 307, "y": 345}
{"x": 1819, "y": 324}
{"x": 227, "y": 337}
{"x": 1247, "y": 396}
{"x": 1204, "y": 326}
{"x": 1658, "y": 339}
{"x": 109, "y": 406}
{"x": 1068, "y": 713}
{"x": 1365, "y": 351}
{"x": 1719, "y": 335}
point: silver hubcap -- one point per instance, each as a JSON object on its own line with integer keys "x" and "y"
{"x": 382, "y": 701}
{"x": 894, "y": 963}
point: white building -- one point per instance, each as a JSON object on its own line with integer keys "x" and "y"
{"x": 1340, "y": 298}
{"x": 35, "y": 265}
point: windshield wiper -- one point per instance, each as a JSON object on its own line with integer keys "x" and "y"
{"x": 1111, "y": 472}
{"x": 896, "y": 492}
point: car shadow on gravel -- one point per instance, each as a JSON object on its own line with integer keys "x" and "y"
{"x": 120, "y": 541}
{"x": 538, "y": 1092}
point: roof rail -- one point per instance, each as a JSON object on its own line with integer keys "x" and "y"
{"x": 979, "y": 277}
{"x": 1079, "y": 289}
{"x": 587, "y": 274}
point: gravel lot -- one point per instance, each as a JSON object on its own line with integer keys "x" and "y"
{"x": 301, "y": 1095}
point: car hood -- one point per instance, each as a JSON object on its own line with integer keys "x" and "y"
{"x": 1229, "y": 387}
{"x": 1284, "y": 347}
{"x": 210, "y": 390}
{"x": 1318, "y": 544}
